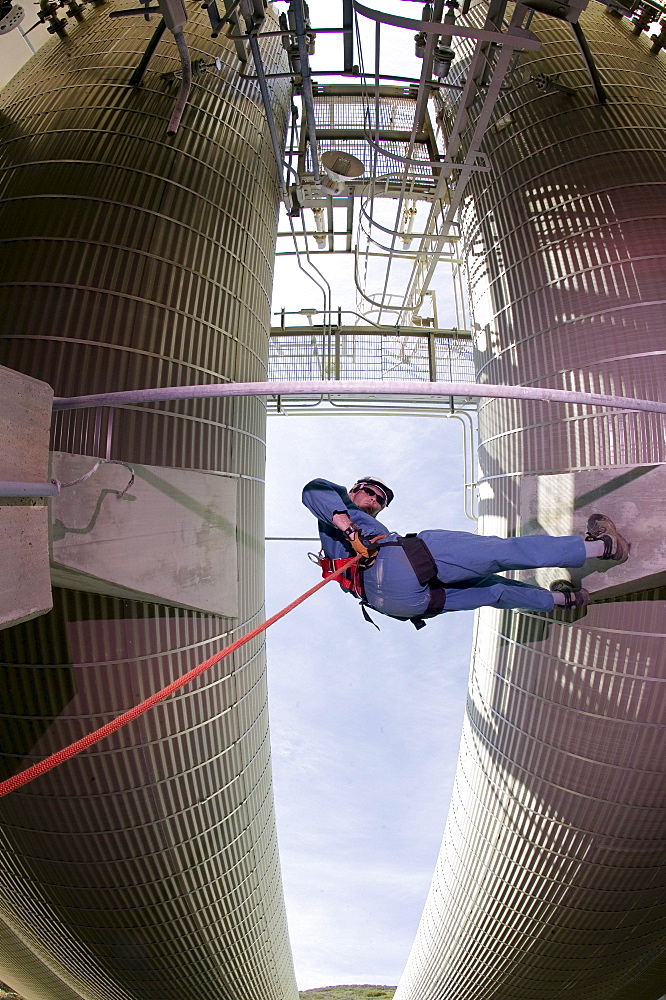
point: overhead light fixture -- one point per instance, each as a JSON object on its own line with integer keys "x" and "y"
{"x": 339, "y": 168}
{"x": 10, "y": 16}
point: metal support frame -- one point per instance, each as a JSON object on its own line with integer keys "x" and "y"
{"x": 489, "y": 33}
{"x": 513, "y": 38}
{"x": 185, "y": 83}
{"x": 231, "y": 15}
{"x": 348, "y": 37}
{"x": 376, "y": 330}
{"x": 437, "y": 230}
{"x": 494, "y": 54}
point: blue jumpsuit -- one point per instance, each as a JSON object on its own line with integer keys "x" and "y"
{"x": 467, "y": 564}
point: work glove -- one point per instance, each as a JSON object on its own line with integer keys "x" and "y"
{"x": 363, "y": 547}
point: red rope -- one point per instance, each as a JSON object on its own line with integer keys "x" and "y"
{"x": 23, "y": 777}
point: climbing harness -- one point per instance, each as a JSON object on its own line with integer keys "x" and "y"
{"x": 425, "y": 570}
{"x": 42, "y": 766}
{"x": 422, "y": 563}
{"x": 351, "y": 579}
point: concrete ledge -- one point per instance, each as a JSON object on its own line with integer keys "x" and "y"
{"x": 25, "y": 421}
{"x": 171, "y": 539}
{"x": 24, "y": 556}
{"x": 635, "y": 498}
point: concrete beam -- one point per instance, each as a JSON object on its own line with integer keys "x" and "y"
{"x": 170, "y": 539}
{"x": 635, "y": 498}
{"x": 25, "y": 419}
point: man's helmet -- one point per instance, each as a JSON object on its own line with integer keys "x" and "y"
{"x": 374, "y": 481}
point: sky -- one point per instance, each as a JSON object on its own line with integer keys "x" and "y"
{"x": 365, "y": 725}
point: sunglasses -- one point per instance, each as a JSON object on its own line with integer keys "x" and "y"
{"x": 372, "y": 493}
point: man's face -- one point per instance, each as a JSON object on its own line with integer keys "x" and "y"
{"x": 369, "y": 498}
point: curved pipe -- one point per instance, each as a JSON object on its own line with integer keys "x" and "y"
{"x": 381, "y": 306}
{"x": 526, "y": 40}
{"x": 185, "y": 83}
{"x": 332, "y": 387}
{"x": 306, "y": 77}
{"x": 365, "y": 215}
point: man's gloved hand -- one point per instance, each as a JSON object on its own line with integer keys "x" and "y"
{"x": 364, "y": 547}
{"x": 354, "y": 536}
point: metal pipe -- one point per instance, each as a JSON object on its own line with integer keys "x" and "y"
{"x": 590, "y": 64}
{"x": 137, "y": 75}
{"x": 24, "y": 35}
{"x": 8, "y": 489}
{"x": 357, "y": 388}
{"x": 144, "y": 11}
{"x": 348, "y": 39}
{"x": 433, "y": 85}
{"x": 469, "y": 485}
{"x": 286, "y": 34}
{"x": 229, "y": 11}
{"x": 528, "y": 40}
{"x": 306, "y": 76}
{"x": 270, "y": 117}
{"x": 185, "y": 83}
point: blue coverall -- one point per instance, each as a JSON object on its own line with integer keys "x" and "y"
{"x": 467, "y": 564}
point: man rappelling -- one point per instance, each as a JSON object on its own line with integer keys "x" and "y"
{"x": 418, "y": 576}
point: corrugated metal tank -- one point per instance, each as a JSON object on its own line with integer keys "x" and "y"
{"x": 147, "y": 867}
{"x": 550, "y": 880}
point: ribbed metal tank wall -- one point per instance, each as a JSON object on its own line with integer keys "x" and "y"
{"x": 550, "y": 880}
{"x": 147, "y": 867}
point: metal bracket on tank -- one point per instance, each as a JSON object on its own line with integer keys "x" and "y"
{"x": 545, "y": 83}
{"x": 570, "y": 11}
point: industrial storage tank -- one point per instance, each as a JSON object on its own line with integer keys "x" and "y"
{"x": 549, "y": 884}
{"x": 148, "y": 865}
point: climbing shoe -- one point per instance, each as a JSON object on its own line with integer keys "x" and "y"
{"x": 572, "y": 598}
{"x": 601, "y": 529}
